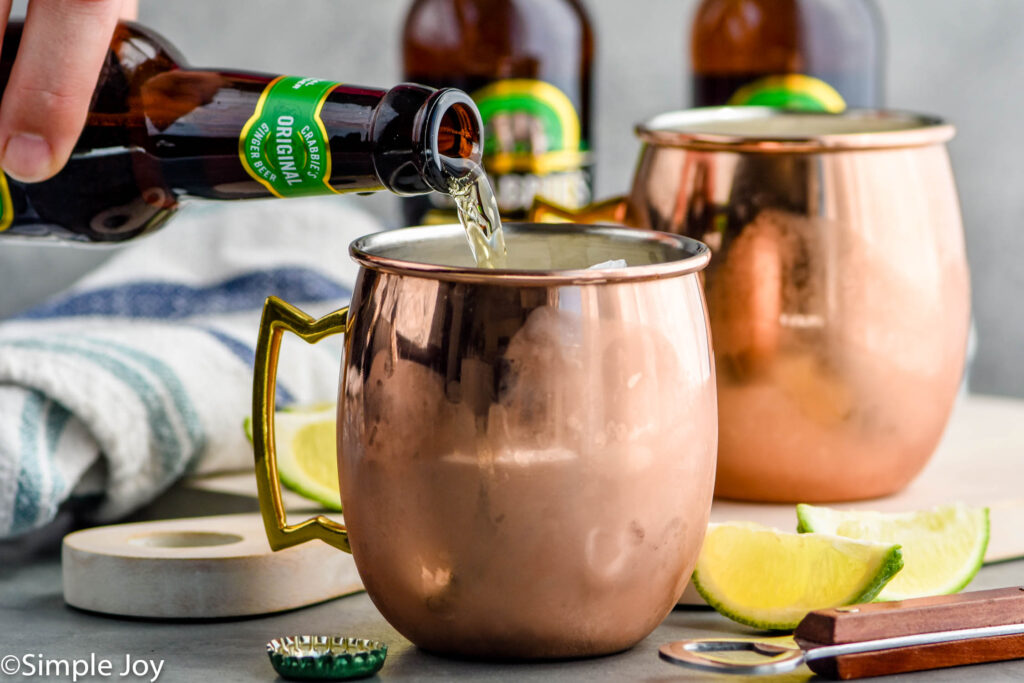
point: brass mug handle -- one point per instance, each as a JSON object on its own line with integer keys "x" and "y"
{"x": 279, "y": 316}
{"x": 612, "y": 210}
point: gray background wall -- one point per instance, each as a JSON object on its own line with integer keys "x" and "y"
{"x": 962, "y": 60}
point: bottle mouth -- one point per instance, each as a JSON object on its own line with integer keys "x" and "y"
{"x": 455, "y": 132}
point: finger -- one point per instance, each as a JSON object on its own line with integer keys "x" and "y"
{"x": 5, "y": 11}
{"x": 130, "y": 9}
{"x": 47, "y": 98}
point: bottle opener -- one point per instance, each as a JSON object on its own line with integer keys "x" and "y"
{"x": 875, "y": 639}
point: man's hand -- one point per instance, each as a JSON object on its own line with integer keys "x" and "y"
{"x": 62, "y": 49}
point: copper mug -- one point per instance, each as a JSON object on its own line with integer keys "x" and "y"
{"x": 838, "y": 288}
{"x": 526, "y": 456}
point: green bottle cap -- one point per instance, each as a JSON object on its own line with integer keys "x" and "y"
{"x": 326, "y": 658}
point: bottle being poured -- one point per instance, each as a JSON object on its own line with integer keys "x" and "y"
{"x": 478, "y": 212}
{"x": 160, "y": 133}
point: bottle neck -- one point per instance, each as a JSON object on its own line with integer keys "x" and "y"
{"x": 420, "y": 133}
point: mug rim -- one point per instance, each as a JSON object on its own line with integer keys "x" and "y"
{"x": 695, "y": 255}
{"x": 906, "y": 129}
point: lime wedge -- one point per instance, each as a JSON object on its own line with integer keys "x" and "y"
{"x": 771, "y": 579}
{"x": 943, "y": 547}
{"x": 307, "y": 459}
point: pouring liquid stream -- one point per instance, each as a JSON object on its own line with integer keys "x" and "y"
{"x": 478, "y": 212}
{"x": 477, "y": 208}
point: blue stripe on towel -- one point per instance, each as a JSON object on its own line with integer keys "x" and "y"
{"x": 29, "y": 496}
{"x": 166, "y": 441}
{"x": 174, "y": 301}
{"x": 182, "y": 402}
{"x": 57, "y": 417}
{"x": 247, "y": 354}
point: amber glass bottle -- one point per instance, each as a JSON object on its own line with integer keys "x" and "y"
{"x": 823, "y": 55}
{"x": 528, "y": 65}
{"x": 158, "y": 132}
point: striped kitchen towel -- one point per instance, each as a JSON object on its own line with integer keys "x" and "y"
{"x": 142, "y": 371}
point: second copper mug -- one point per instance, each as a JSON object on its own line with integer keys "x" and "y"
{"x": 838, "y": 288}
{"x": 527, "y": 455}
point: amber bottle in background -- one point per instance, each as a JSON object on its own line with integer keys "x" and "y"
{"x": 158, "y": 132}
{"x": 819, "y": 55}
{"x": 528, "y": 66}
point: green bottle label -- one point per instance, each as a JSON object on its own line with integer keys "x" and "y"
{"x": 530, "y": 126}
{"x": 6, "y": 205}
{"x": 533, "y": 144}
{"x": 790, "y": 91}
{"x": 284, "y": 144}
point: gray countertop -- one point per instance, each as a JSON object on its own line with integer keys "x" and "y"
{"x": 34, "y": 620}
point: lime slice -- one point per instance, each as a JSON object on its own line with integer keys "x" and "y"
{"x": 771, "y": 579}
{"x": 943, "y": 547}
{"x": 307, "y": 459}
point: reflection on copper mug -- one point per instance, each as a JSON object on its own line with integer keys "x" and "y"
{"x": 838, "y": 290}
{"x": 526, "y": 456}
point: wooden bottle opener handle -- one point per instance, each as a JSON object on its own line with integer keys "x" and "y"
{"x": 874, "y": 621}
